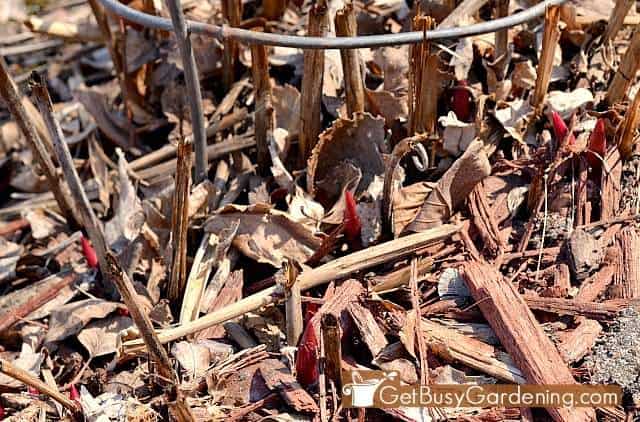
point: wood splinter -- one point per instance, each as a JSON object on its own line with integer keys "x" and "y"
{"x": 520, "y": 334}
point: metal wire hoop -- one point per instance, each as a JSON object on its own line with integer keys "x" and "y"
{"x": 366, "y": 41}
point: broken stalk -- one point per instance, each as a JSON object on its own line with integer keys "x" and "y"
{"x": 616, "y": 19}
{"x": 88, "y": 218}
{"x": 311, "y": 90}
{"x": 263, "y": 116}
{"x": 232, "y": 12}
{"x": 423, "y": 95}
{"x": 180, "y": 225}
{"x": 12, "y": 98}
{"x": 549, "y": 44}
{"x": 626, "y": 72}
{"x": 346, "y": 26}
{"x": 630, "y": 123}
{"x": 293, "y": 304}
{"x": 331, "y": 340}
{"x": 193, "y": 87}
{"x": 502, "y": 36}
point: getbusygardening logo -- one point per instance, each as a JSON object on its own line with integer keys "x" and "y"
{"x": 383, "y": 389}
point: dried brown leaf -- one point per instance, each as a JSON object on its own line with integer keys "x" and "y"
{"x": 453, "y": 188}
{"x": 71, "y": 318}
{"x": 359, "y": 141}
{"x": 265, "y": 234}
{"x": 100, "y": 337}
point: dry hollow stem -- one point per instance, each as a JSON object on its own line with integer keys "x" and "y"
{"x": 346, "y": 26}
{"x": 626, "y": 72}
{"x": 423, "y": 74}
{"x": 549, "y": 44}
{"x": 311, "y": 92}
{"x": 263, "y": 115}
{"x": 180, "y": 224}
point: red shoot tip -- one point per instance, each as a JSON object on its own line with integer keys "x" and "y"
{"x": 461, "y": 101}
{"x": 310, "y": 310}
{"x": 560, "y": 130}
{"x": 33, "y": 391}
{"x": 3, "y": 413}
{"x": 352, "y": 225}
{"x": 89, "y": 252}
{"x": 597, "y": 144}
{"x": 307, "y": 358}
{"x": 73, "y": 393}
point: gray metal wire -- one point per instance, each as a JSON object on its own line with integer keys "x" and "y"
{"x": 366, "y": 41}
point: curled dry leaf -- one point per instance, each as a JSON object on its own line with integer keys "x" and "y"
{"x": 514, "y": 117}
{"x": 350, "y": 177}
{"x": 453, "y": 188}
{"x": 359, "y": 141}
{"x": 393, "y": 63}
{"x": 565, "y": 103}
{"x": 457, "y": 135}
{"x": 193, "y": 358}
{"x": 9, "y": 257}
{"x": 370, "y": 211}
{"x": 71, "y": 318}
{"x": 41, "y": 225}
{"x": 286, "y": 104}
{"x": 407, "y": 202}
{"x": 113, "y": 125}
{"x": 28, "y": 360}
{"x": 101, "y": 337}
{"x": 388, "y": 105}
{"x": 266, "y": 234}
{"x": 524, "y": 75}
{"x": 129, "y": 216}
{"x": 303, "y": 209}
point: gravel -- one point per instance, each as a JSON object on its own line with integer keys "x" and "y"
{"x": 616, "y": 356}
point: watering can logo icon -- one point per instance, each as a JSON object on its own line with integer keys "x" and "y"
{"x": 360, "y": 387}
